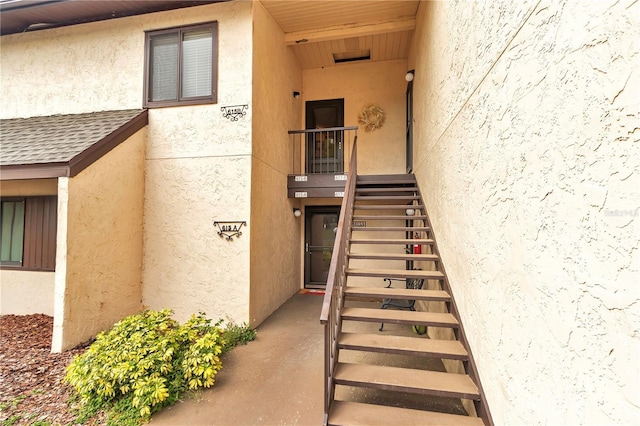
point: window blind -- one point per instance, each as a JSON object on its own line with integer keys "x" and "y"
{"x": 196, "y": 63}
{"x": 164, "y": 67}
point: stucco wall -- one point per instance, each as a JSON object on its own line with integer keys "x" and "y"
{"x": 99, "y": 258}
{"x": 528, "y": 155}
{"x": 275, "y": 252}
{"x": 27, "y": 292}
{"x": 198, "y": 171}
{"x": 377, "y": 83}
{"x": 197, "y": 162}
{"x": 28, "y": 187}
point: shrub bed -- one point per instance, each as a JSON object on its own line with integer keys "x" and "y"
{"x": 147, "y": 361}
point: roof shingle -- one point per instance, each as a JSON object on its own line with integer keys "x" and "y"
{"x": 57, "y": 138}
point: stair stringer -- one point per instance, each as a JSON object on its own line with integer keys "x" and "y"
{"x": 469, "y": 367}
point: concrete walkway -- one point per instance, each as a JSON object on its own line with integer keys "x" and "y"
{"x": 274, "y": 380}
{"x": 278, "y": 378}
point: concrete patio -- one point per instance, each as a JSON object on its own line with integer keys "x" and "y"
{"x": 278, "y": 378}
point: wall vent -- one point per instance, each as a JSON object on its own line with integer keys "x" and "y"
{"x": 357, "y": 55}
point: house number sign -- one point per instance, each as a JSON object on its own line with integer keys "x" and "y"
{"x": 234, "y": 112}
{"x": 229, "y": 229}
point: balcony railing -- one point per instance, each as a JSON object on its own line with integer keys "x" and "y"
{"x": 322, "y": 151}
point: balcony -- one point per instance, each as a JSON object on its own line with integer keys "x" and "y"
{"x": 318, "y": 161}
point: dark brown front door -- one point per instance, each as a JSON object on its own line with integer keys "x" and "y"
{"x": 325, "y": 149}
{"x": 321, "y": 225}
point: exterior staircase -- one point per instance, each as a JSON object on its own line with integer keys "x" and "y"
{"x": 386, "y": 219}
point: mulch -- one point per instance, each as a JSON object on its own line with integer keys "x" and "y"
{"x": 31, "y": 388}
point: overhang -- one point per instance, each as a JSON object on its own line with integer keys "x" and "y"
{"x": 17, "y": 16}
{"x": 62, "y": 145}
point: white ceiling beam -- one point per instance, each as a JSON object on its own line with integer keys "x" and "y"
{"x": 345, "y": 31}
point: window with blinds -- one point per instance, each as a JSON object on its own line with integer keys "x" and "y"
{"x": 181, "y": 65}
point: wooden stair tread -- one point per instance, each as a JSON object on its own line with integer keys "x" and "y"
{"x": 391, "y": 241}
{"x": 394, "y": 256}
{"x": 392, "y": 228}
{"x": 385, "y": 179}
{"x": 395, "y": 273}
{"x": 397, "y": 293}
{"x": 386, "y": 207}
{"x": 344, "y": 413}
{"x": 417, "y": 346}
{"x": 386, "y": 197}
{"x": 387, "y": 189}
{"x": 388, "y": 217}
{"x": 395, "y": 316}
{"x": 406, "y": 380}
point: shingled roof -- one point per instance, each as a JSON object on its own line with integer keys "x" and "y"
{"x": 62, "y": 145}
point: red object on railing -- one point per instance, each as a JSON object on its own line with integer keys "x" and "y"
{"x": 417, "y": 248}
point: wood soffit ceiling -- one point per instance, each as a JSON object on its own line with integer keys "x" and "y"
{"x": 316, "y": 30}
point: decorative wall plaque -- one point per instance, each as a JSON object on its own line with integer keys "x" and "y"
{"x": 234, "y": 112}
{"x": 229, "y": 229}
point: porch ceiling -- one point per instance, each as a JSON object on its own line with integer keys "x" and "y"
{"x": 318, "y": 29}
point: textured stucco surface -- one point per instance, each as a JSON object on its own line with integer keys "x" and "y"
{"x": 197, "y": 163}
{"x": 377, "y": 83}
{"x": 198, "y": 170}
{"x": 528, "y": 155}
{"x": 28, "y": 187}
{"x": 27, "y": 292}
{"x": 99, "y": 257}
{"x": 275, "y": 254}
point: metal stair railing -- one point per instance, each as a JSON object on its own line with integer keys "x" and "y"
{"x": 333, "y": 302}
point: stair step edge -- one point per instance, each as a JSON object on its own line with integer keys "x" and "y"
{"x": 398, "y": 293}
{"x": 416, "y": 346}
{"x": 395, "y": 273}
{"x": 344, "y": 413}
{"x": 394, "y": 256}
{"x": 395, "y": 316}
{"x": 406, "y": 380}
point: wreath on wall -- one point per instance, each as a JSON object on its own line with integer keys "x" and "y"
{"x": 372, "y": 118}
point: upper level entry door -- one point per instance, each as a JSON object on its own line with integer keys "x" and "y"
{"x": 325, "y": 149}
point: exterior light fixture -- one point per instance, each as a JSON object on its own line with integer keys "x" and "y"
{"x": 409, "y": 76}
{"x": 297, "y": 212}
{"x": 410, "y": 212}
{"x": 296, "y": 95}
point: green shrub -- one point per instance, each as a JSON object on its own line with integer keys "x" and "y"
{"x": 145, "y": 362}
{"x": 235, "y": 334}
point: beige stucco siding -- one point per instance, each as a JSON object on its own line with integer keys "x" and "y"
{"x": 99, "y": 257}
{"x": 196, "y": 160}
{"x": 275, "y": 251}
{"x": 27, "y": 292}
{"x": 377, "y": 83}
{"x": 528, "y": 156}
{"x": 187, "y": 266}
{"x": 198, "y": 170}
{"x": 28, "y": 187}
